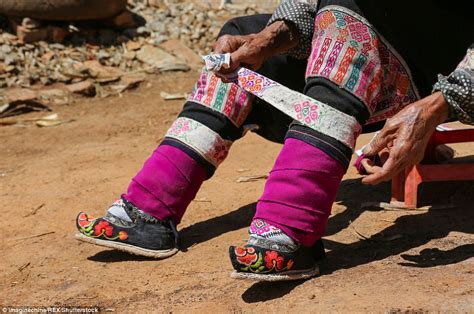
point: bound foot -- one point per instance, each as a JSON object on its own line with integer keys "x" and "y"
{"x": 270, "y": 255}
{"x": 128, "y": 229}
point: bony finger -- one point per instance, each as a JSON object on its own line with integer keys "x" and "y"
{"x": 387, "y": 171}
{"x": 369, "y": 166}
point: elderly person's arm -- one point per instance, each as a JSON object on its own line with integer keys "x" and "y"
{"x": 301, "y": 14}
{"x": 406, "y": 135}
{"x": 289, "y": 30}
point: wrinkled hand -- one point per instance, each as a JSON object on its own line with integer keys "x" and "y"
{"x": 404, "y": 138}
{"x": 247, "y": 50}
{"x": 253, "y": 50}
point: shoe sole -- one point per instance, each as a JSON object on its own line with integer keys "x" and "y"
{"x": 285, "y": 276}
{"x": 158, "y": 254}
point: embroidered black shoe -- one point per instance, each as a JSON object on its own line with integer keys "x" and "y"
{"x": 270, "y": 261}
{"x": 143, "y": 235}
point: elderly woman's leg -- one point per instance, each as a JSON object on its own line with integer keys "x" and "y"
{"x": 215, "y": 115}
{"x": 293, "y": 211}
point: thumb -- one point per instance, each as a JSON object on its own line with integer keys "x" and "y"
{"x": 237, "y": 58}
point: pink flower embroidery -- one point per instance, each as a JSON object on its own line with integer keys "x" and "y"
{"x": 246, "y": 256}
{"x": 220, "y": 153}
{"x": 306, "y": 111}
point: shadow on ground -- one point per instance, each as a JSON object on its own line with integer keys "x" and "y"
{"x": 415, "y": 230}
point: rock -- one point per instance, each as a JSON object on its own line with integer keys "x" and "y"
{"x": 133, "y": 45}
{"x": 102, "y": 74}
{"x": 20, "y": 94}
{"x": 6, "y": 48}
{"x": 175, "y": 67}
{"x": 183, "y": 52}
{"x": 169, "y": 96}
{"x": 130, "y": 55}
{"x": 171, "y": 40}
{"x": 142, "y": 30}
{"x": 50, "y": 93}
{"x": 129, "y": 81}
{"x": 124, "y": 20}
{"x": 86, "y": 88}
{"x": 48, "y": 55}
{"x": 156, "y": 57}
{"x": 157, "y": 3}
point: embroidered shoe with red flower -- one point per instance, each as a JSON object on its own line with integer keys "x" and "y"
{"x": 131, "y": 230}
{"x": 270, "y": 255}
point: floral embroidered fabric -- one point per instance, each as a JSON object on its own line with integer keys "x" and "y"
{"x": 255, "y": 260}
{"x": 99, "y": 228}
{"x": 201, "y": 139}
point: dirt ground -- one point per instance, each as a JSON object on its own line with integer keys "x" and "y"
{"x": 414, "y": 261}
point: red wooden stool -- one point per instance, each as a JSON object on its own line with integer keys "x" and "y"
{"x": 405, "y": 184}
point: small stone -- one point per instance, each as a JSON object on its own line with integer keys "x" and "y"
{"x": 102, "y": 74}
{"x": 86, "y": 88}
{"x": 142, "y": 31}
{"x": 48, "y": 55}
{"x": 129, "y": 81}
{"x": 57, "y": 46}
{"x": 10, "y": 59}
{"x": 7, "y": 37}
{"x": 183, "y": 52}
{"x": 20, "y": 94}
{"x": 9, "y": 69}
{"x": 156, "y": 3}
{"x": 156, "y": 57}
{"x": 133, "y": 45}
{"x": 6, "y": 48}
{"x": 130, "y": 55}
{"x": 102, "y": 54}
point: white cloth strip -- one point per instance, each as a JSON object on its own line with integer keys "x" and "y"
{"x": 304, "y": 109}
{"x": 201, "y": 139}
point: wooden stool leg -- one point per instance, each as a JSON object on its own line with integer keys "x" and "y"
{"x": 398, "y": 187}
{"x": 413, "y": 180}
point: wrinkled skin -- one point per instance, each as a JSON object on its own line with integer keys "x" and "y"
{"x": 253, "y": 50}
{"x": 403, "y": 140}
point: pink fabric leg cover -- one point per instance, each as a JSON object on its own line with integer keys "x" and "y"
{"x": 167, "y": 183}
{"x": 300, "y": 190}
